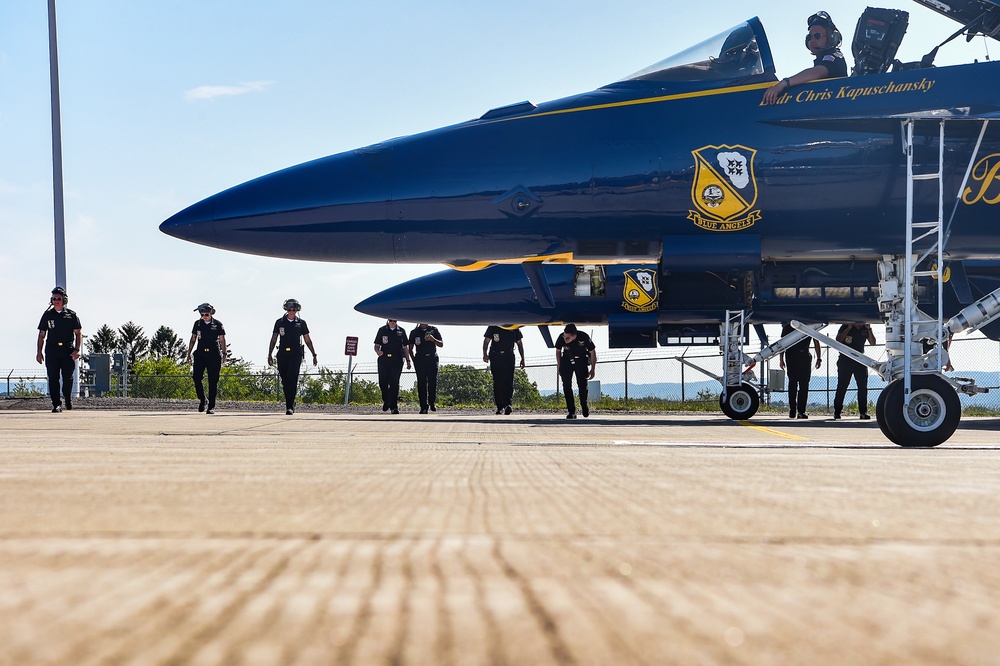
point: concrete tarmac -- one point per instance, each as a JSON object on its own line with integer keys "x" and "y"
{"x": 131, "y": 537}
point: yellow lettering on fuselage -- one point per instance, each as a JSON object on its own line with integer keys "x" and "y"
{"x": 986, "y": 174}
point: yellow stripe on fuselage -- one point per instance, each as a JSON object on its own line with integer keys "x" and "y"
{"x": 561, "y": 258}
{"x": 646, "y": 100}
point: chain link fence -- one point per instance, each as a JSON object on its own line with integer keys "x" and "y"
{"x": 663, "y": 378}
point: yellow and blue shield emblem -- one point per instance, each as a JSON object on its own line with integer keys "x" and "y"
{"x": 640, "y": 292}
{"x": 724, "y": 190}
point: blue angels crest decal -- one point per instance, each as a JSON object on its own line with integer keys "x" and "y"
{"x": 640, "y": 292}
{"x": 724, "y": 190}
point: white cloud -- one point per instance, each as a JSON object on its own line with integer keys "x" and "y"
{"x": 211, "y": 92}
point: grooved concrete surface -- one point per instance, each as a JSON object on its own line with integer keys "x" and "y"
{"x": 248, "y": 538}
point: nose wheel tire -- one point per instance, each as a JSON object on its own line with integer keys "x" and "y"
{"x": 740, "y": 402}
{"x": 931, "y": 417}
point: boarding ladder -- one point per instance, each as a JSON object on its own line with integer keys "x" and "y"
{"x": 732, "y": 349}
{"x": 924, "y": 241}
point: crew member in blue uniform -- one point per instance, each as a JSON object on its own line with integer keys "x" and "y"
{"x": 574, "y": 352}
{"x": 424, "y": 342}
{"x": 208, "y": 342}
{"x": 498, "y": 351}
{"x": 392, "y": 348}
{"x": 854, "y": 336}
{"x": 823, "y": 41}
{"x": 59, "y": 331}
{"x": 289, "y": 332}
{"x": 797, "y": 361}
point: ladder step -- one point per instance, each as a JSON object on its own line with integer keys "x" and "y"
{"x": 926, "y": 176}
{"x": 925, "y": 225}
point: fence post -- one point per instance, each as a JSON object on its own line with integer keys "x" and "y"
{"x": 347, "y": 380}
{"x": 827, "y": 380}
{"x": 626, "y": 378}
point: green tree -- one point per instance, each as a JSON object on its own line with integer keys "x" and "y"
{"x": 162, "y": 377}
{"x": 365, "y": 392}
{"x": 464, "y": 385}
{"x": 525, "y": 391}
{"x": 167, "y": 344}
{"x": 104, "y": 341}
{"x": 132, "y": 342}
{"x": 239, "y": 381}
{"x": 326, "y": 388}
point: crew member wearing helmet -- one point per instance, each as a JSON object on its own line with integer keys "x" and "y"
{"x": 208, "y": 342}
{"x": 424, "y": 342}
{"x": 498, "y": 351}
{"x": 292, "y": 331}
{"x": 574, "y": 352}
{"x": 59, "y": 333}
{"x": 823, "y": 41}
{"x": 392, "y": 347}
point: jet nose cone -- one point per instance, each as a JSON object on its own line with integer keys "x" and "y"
{"x": 497, "y": 294}
{"x": 330, "y": 209}
{"x": 195, "y": 223}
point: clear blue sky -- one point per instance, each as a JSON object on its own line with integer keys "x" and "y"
{"x": 165, "y": 103}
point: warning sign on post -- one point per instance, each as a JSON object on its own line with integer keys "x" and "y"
{"x": 351, "y": 348}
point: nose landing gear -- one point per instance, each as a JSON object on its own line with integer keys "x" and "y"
{"x": 739, "y": 402}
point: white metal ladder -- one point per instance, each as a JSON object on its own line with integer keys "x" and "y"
{"x": 732, "y": 348}
{"x": 924, "y": 240}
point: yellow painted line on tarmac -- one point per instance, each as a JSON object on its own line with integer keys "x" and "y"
{"x": 772, "y": 431}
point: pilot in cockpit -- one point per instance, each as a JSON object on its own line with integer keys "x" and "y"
{"x": 823, "y": 41}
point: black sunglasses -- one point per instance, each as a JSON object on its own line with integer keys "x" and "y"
{"x": 816, "y": 35}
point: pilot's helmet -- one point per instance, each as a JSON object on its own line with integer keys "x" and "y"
{"x": 59, "y": 291}
{"x": 205, "y": 308}
{"x": 291, "y": 305}
{"x": 834, "y": 38}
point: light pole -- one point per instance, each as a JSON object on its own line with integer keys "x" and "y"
{"x": 57, "y": 175}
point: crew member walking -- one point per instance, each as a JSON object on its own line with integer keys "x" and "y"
{"x": 798, "y": 363}
{"x": 392, "y": 348}
{"x": 59, "y": 331}
{"x": 292, "y": 331}
{"x": 500, "y": 355}
{"x": 574, "y": 352}
{"x": 209, "y": 335}
{"x": 424, "y": 342}
{"x": 854, "y": 336}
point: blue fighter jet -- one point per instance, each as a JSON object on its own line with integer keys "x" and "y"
{"x": 675, "y": 206}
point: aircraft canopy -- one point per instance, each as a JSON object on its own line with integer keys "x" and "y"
{"x": 737, "y": 53}
{"x": 981, "y": 16}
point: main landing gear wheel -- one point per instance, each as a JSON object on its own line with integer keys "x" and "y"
{"x": 880, "y": 416}
{"x": 931, "y": 417}
{"x": 740, "y": 402}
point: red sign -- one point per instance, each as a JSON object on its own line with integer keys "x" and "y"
{"x": 351, "y": 348}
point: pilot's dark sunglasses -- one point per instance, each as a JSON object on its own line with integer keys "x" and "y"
{"x": 816, "y": 35}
